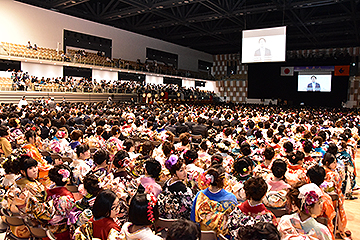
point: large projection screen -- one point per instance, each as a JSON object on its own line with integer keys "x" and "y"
{"x": 264, "y": 45}
{"x": 314, "y": 82}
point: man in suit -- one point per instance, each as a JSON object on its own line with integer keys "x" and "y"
{"x": 181, "y": 127}
{"x": 263, "y": 53}
{"x": 313, "y": 86}
{"x": 200, "y": 128}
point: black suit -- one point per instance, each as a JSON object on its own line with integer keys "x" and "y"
{"x": 181, "y": 128}
{"x": 44, "y": 132}
{"x": 200, "y": 129}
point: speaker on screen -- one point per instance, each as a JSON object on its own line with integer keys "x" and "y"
{"x": 264, "y": 45}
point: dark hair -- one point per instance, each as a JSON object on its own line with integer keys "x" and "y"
{"x": 119, "y": 158}
{"x": 242, "y": 163}
{"x": 183, "y": 229}
{"x": 316, "y": 174}
{"x": 259, "y": 231}
{"x": 13, "y": 122}
{"x": 203, "y": 145}
{"x": 91, "y": 184}
{"x": 288, "y": 146}
{"x": 255, "y": 188}
{"x": 146, "y": 148}
{"x": 99, "y": 130}
{"x": 333, "y": 149}
{"x": 81, "y": 149}
{"x": 294, "y": 158}
{"x": 328, "y": 159}
{"x": 101, "y": 156}
{"x": 292, "y": 195}
{"x": 56, "y": 177}
{"x": 138, "y": 210}
{"x": 269, "y": 153}
{"x": 103, "y": 204}
{"x": 217, "y": 159}
{"x": 30, "y": 134}
{"x": 279, "y": 168}
{"x": 115, "y": 130}
{"x": 218, "y": 173}
{"x": 190, "y": 156}
{"x": 128, "y": 143}
{"x": 176, "y": 166}
{"x": 245, "y": 148}
{"x": 23, "y": 163}
{"x": 76, "y": 134}
{"x": 153, "y": 168}
{"x": 184, "y": 138}
{"x": 308, "y": 146}
{"x": 167, "y": 147}
{"x": 3, "y": 131}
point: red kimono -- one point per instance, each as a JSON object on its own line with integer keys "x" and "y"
{"x": 102, "y": 227}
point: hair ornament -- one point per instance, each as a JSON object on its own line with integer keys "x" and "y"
{"x": 173, "y": 159}
{"x": 316, "y": 144}
{"x": 151, "y": 204}
{"x": 65, "y": 174}
{"x": 17, "y": 121}
{"x": 309, "y": 194}
{"x": 33, "y": 128}
{"x": 209, "y": 179}
{"x": 61, "y": 134}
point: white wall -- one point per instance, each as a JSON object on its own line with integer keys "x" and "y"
{"x": 188, "y": 83}
{"x": 154, "y": 79}
{"x": 104, "y": 75}
{"x": 42, "y": 70}
{"x": 21, "y": 22}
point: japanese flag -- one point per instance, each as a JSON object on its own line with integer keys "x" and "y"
{"x": 287, "y": 71}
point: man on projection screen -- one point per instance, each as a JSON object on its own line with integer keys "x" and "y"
{"x": 313, "y": 86}
{"x": 263, "y": 53}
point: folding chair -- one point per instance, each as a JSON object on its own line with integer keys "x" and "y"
{"x": 208, "y": 235}
{"x": 278, "y": 212}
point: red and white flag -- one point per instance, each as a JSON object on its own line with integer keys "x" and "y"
{"x": 287, "y": 71}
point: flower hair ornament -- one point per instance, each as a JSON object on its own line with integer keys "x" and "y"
{"x": 65, "y": 174}
{"x": 309, "y": 195}
{"x": 150, "y": 208}
{"x": 61, "y": 134}
{"x": 173, "y": 159}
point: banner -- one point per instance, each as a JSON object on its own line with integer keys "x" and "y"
{"x": 287, "y": 71}
{"x": 343, "y": 70}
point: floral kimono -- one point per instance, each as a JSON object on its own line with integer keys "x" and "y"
{"x": 63, "y": 202}
{"x": 262, "y": 171}
{"x": 291, "y": 227}
{"x": 349, "y": 172}
{"x": 295, "y": 173}
{"x": 245, "y": 214}
{"x": 44, "y": 167}
{"x": 333, "y": 178}
{"x": 175, "y": 201}
{"x": 211, "y": 210}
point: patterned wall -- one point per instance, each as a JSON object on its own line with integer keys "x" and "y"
{"x": 234, "y": 86}
{"x": 354, "y": 92}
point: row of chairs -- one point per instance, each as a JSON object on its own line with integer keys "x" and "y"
{"x": 11, "y": 220}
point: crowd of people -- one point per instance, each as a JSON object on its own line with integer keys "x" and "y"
{"x": 23, "y": 81}
{"x": 223, "y": 168}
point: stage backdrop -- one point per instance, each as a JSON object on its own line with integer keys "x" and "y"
{"x": 265, "y": 81}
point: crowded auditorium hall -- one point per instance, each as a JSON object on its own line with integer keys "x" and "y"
{"x": 179, "y": 120}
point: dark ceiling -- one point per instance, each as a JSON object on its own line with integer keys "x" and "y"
{"x": 214, "y": 26}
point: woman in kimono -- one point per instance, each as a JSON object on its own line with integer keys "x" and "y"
{"x": 176, "y": 199}
{"x": 212, "y": 206}
{"x": 63, "y": 201}
{"x": 334, "y": 184}
{"x": 306, "y": 199}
